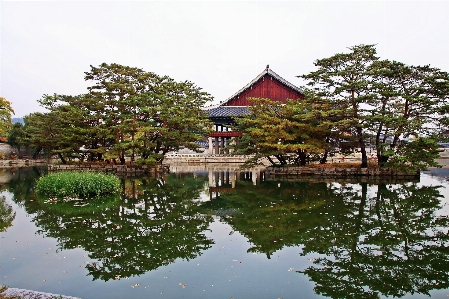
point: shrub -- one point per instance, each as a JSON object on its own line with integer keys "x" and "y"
{"x": 150, "y": 162}
{"x": 78, "y": 184}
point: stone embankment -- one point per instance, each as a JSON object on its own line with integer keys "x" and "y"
{"x": 336, "y": 172}
{"x": 128, "y": 170}
{"x": 14, "y": 163}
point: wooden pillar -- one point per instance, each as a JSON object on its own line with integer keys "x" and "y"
{"x": 217, "y": 178}
{"x": 223, "y": 144}
{"x": 231, "y": 142}
{"x": 211, "y": 149}
{"x": 254, "y": 177}
{"x": 217, "y": 147}
{"x": 211, "y": 178}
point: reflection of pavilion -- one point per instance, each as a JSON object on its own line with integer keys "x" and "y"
{"x": 267, "y": 84}
{"x": 223, "y": 177}
{"x": 225, "y": 181}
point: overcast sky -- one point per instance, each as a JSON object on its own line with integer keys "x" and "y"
{"x": 46, "y": 46}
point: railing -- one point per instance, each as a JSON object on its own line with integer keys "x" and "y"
{"x": 226, "y": 134}
{"x": 206, "y": 156}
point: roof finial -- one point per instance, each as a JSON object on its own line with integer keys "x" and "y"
{"x": 268, "y": 66}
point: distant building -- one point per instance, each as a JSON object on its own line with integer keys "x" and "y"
{"x": 268, "y": 85}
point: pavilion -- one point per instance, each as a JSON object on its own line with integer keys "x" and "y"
{"x": 267, "y": 84}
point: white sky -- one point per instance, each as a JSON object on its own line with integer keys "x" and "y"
{"x": 46, "y": 46}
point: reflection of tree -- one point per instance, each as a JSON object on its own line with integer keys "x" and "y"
{"x": 370, "y": 240}
{"x": 272, "y": 216}
{"x": 387, "y": 241}
{"x": 391, "y": 243}
{"x": 7, "y": 215}
{"x": 22, "y": 183}
{"x": 157, "y": 222}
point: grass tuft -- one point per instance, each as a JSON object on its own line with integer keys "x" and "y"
{"x": 78, "y": 184}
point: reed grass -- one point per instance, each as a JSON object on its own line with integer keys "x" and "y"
{"x": 78, "y": 184}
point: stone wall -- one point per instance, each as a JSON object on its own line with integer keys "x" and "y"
{"x": 336, "y": 172}
{"x": 128, "y": 170}
{"x": 14, "y": 163}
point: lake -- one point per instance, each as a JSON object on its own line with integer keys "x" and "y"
{"x": 221, "y": 233}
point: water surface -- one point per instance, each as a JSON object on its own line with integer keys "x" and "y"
{"x": 228, "y": 234}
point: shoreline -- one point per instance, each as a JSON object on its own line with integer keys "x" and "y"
{"x": 30, "y": 294}
{"x": 215, "y": 160}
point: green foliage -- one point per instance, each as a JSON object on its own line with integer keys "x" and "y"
{"x": 267, "y": 117}
{"x": 150, "y": 162}
{"x": 333, "y": 113}
{"x": 55, "y": 132}
{"x": 409, "y": 101}
{"x": 5, "y": 116}
{"x": 383, "y": 101}
{"x": 414, "y": 156}
{"x": 345, "y": 80}
{"x": 148, "y": 114}
{"x": 78, "y": 184}
{"x": 295, "y": 133}
{"x": 127, "y": 112}
{"x": 17, "y": 136}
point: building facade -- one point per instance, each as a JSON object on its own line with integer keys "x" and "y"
{"x": 268, "y": 85}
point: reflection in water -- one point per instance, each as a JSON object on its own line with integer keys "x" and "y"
{"x": 371, "y": 239}
{"x": 390, "y": 243}
{"x": 20, "y": 183}
{"x": 157, "y": 221}
{"x": 382, "y": 239}
{"x": 7, "y": 215}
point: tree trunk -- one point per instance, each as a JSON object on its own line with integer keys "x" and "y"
{"x": 271, "y": 161}
{"x": 303, "y": 158}
{"x": 358, "y": 225}
{"x": 382, "y": 160}
{"x": 62, "y": 158}
{"x": 364, "y": 157}
{"x": 281, "y": 159}
{"x": 36, "y": 153}
{"x": 323, "y": 160}
{"x": 362, "y": 148}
